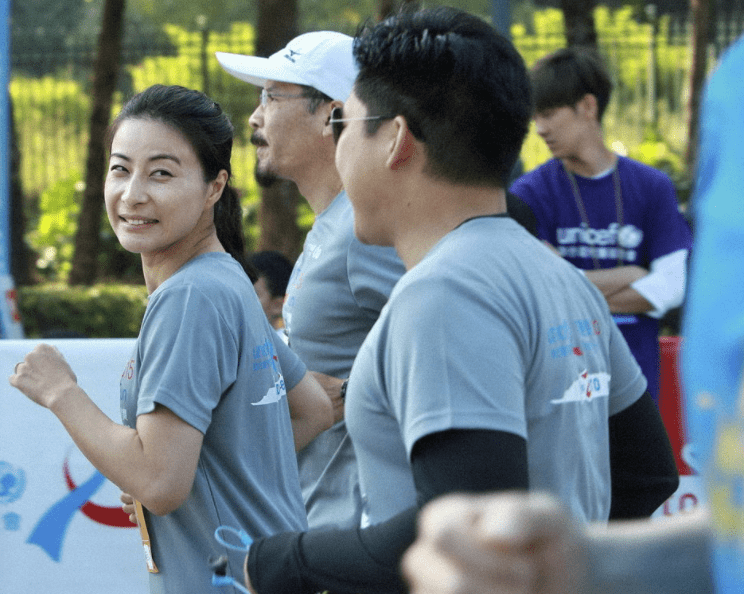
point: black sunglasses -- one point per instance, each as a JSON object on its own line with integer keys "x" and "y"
{"x": 337, "y": 121}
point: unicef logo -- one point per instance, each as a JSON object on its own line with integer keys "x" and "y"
{"x": 629, "y": 236}
{"x": 12, "y": 483}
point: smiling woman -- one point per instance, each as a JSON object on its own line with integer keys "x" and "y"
{"x": 180, "y": 142}
{"x": 206, "y": 386}
{"x": 157, "y": 200}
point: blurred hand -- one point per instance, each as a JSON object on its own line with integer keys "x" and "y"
{"x": 501, "y": 543}
{"x": 332, "y": 386}
{"x": 128, "y": 507}
{"x": 43, "y": 375}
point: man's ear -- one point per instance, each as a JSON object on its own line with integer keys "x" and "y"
{"x": 589, "y": 106}
{"x": 404, "y": 147}
{"x": 327, "y": 109}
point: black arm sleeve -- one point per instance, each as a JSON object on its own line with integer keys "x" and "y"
{"x": 644, "y": 472}
{"x": 365, "y": 561}
{"x": 468, "y": 460}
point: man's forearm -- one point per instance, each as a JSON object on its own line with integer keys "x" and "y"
{"x": 628, "y": 300}
{"x": 615, "y": 285}
{"x": 642, "y": 557}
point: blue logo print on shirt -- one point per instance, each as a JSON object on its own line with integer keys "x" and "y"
{"x": 264, "y": 357}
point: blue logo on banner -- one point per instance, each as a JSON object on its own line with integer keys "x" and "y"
{"x": 49, "y": 532}
{"x": 12, "y": 483}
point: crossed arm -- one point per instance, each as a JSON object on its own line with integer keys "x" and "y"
{"x": 633, "y": 289}
{"x": 615, "y": 285}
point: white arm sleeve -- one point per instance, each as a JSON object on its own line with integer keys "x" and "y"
{"x": 664, "y": 286}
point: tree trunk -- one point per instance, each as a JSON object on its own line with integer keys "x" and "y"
{"x": 20, "y": 265}
{"x": 84, "y": 262}
{"x": 578, "y": 18}
{"x": 277, "y": 215}
{"x": 700, "y": 16}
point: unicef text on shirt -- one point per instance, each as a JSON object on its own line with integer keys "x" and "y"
{"x": 627, "y": 236}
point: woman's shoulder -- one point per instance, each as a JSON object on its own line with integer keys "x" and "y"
{"x": 217, "y": 276}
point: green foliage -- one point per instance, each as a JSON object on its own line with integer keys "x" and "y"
{"x": 196, "y": 13}
{"x": 54, "y": 236}
{"x": 320, "y": 15}
{"x": 100, "y": 311}
{"x": 185, "y": 68}
{"x": 317, "y": 15}
{"x": 51, "y": 119}
{"x": 657, "y": 152}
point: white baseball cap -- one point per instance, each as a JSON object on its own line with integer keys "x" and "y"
{"x": 321, "y": 59}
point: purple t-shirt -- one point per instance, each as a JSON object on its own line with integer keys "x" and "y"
{"x": 652, "y": 227}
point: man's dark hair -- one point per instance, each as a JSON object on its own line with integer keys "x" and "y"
{"x": 564, "y": 77}
{"x": 275, "y": 267}
{"x": 462, "y": 88}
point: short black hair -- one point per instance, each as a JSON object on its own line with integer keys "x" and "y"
{"x": 564, "y": 77}
{"x": 462, "y": 88}
{"x": 275, "y": 267}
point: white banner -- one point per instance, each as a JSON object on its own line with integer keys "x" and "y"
{"x": 61, "y": 525}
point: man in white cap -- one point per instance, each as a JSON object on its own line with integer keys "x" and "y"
{"x": 338, "y": 285}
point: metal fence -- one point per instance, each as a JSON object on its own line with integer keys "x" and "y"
{"x": 51, "y": 98}
{"x": 51, "y": 91}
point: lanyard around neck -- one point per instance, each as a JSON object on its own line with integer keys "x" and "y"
{"x": 585, "y": 218}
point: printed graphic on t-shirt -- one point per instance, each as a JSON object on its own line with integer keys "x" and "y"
{"x": 573, "y": 338}
{"x": 586, "y": 387}
{"x": 264, "y": 357}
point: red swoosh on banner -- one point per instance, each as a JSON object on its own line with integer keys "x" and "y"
{"x": 108, "y": 516}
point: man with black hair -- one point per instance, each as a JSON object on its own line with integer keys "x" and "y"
{"x": 613, "y": 217}
{"x": 485, "y": 544}
{"x": 495, "y": 364}
{"x": 274, "y": 270}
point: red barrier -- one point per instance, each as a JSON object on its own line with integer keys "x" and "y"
{"x": 671, "y": 400}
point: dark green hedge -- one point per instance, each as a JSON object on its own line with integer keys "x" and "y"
{"x": 100, "y": 311}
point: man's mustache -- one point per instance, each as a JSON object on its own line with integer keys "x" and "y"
{"x": 258, "y": 140}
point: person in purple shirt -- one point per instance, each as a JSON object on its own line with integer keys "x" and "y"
{"x": 613, "y": 217}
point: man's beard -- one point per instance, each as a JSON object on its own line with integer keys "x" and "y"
{"x": 265, "y": 179}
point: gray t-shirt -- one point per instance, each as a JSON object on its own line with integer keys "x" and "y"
{"x": 207, "y": 353}
{"x": 335, "y": 294}
{"x": 492, "y": 331}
